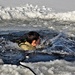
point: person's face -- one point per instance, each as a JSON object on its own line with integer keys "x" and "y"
{"x": 35, "y": 43}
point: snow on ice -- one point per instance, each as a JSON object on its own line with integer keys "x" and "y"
{"x": 30, "y": 11}
{"x": 56, "y": 67}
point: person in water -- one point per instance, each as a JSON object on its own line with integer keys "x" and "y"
{"x": 32, "y": 40}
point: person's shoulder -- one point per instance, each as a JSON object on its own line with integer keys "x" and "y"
{"x": 21, "y": 44}
{"x": 24, "y": 46}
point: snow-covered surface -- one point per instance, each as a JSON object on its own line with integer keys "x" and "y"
{"x": 56, "y": 67}
{"x": 14, "y": 70}
{"x": 30, "y": 11}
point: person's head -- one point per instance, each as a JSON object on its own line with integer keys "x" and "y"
{"x": 33, "y": 38}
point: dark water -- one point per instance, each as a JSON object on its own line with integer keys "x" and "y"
{"x": 56, "y": 45}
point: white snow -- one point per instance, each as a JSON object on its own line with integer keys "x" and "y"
{"x": 14, "y": 70}
{"x": 56, "y": 67}
{"x": 30, "y": 11}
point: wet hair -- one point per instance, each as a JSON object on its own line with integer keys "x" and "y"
{"x": 32, "y": 35}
